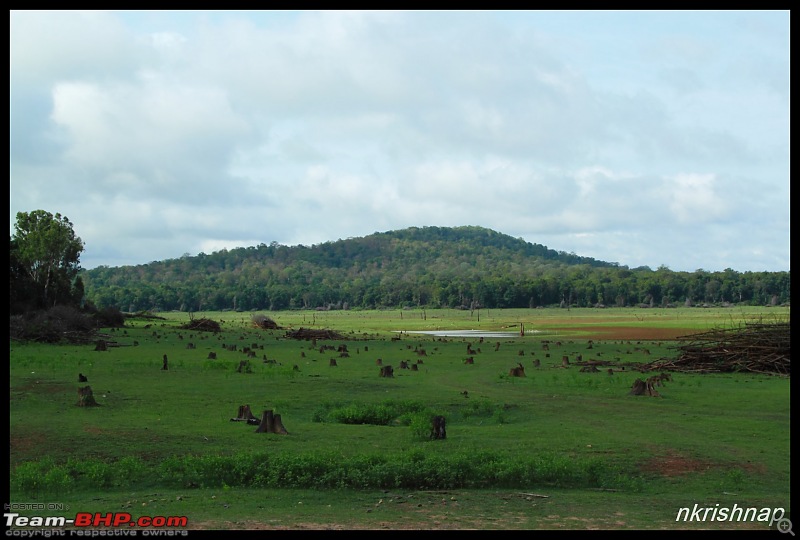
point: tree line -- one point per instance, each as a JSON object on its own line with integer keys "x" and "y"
{"x": 432, "y": 267}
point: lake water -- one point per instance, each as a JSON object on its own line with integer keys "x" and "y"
{"x": 466, "y": 333}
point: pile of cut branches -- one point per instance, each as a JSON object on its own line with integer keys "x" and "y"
{"x": 753, "y": 347}
{"x": 264, "y": 322}
{"x": 202, "y": 325}
{"x": 309, "y": 333}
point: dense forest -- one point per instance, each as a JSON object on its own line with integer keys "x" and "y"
{"x": 416, "y": 267}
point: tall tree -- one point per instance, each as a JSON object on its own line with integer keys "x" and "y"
{"x": 46, "y": 253}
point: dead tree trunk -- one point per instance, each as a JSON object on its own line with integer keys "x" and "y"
{"x": 271, "y": 423}
{"x": 165, "y": 367}
{"x": 86, "y": 397}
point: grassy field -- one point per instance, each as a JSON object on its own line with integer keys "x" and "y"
{"x": 558, "y": 448}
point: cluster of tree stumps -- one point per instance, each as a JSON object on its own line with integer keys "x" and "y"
{"x": 269, "y": 423}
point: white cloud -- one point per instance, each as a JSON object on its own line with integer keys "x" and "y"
{"x": 617, "y": 133}
{"x": 693, "y": 198}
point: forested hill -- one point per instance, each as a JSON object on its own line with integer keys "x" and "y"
{"x": 426, "y": 266}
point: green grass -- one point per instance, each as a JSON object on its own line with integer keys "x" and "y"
{"x": 603, "y": 457}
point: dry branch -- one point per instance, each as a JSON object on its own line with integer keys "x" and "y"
{"x": 754, "y": 348}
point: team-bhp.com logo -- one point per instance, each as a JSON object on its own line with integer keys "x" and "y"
{"x": 119, "y": 520}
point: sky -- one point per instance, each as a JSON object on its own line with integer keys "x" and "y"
{"x": 645, "y": 138}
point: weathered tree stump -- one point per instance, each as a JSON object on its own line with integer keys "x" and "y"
{"x": 469, "y": 360}
{"x": 565, "y": 361}
{"x": 244, "y": 367}
{"x": 86, "y": 397}
{"x": 101, "y": 346}
{"x": 438, "y": 428}
{"x": 333, "y": 362}
{"x": 246, "y": 415}
{"x": 414, "y": 367}
{"x": 387, "y": 371}
{"x": 642, "y": 388}
{"x": 82, "y": 378}
{"x": 271, "y": 423}
{"x": 212, "y": 356}
{"x": 403, "y": 364}
{"x": 165, "y": 366}
{"x": 536, "y": 362}
{"x": 518, "y": 371}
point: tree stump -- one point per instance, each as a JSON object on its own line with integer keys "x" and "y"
{"x": 82, "y": 378}
{"x": 387, "y": 371}
{"x": 565, "y": 361}
{"x": 536, "y": 362}
{"x": 86, "y": 397}
{"x": 518, "y": 371}
{"x": 438, "y": 428}
{"x": 414, "y": 367}
{"x": 642, "y": 388}
{"x": 212, "y": 356}
{"x": 333, "y": 362}
{"x": 469, "y": 360}
{"x": 246, "y": 415}
{"x": 271, "y": 423}
{"x": 165, "y": 366}
{"x": 101, "y": 346}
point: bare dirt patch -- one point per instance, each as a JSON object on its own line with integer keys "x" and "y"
{"x": 674, "y": 464}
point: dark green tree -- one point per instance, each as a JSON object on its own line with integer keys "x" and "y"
{"x": 45, "y": 261}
